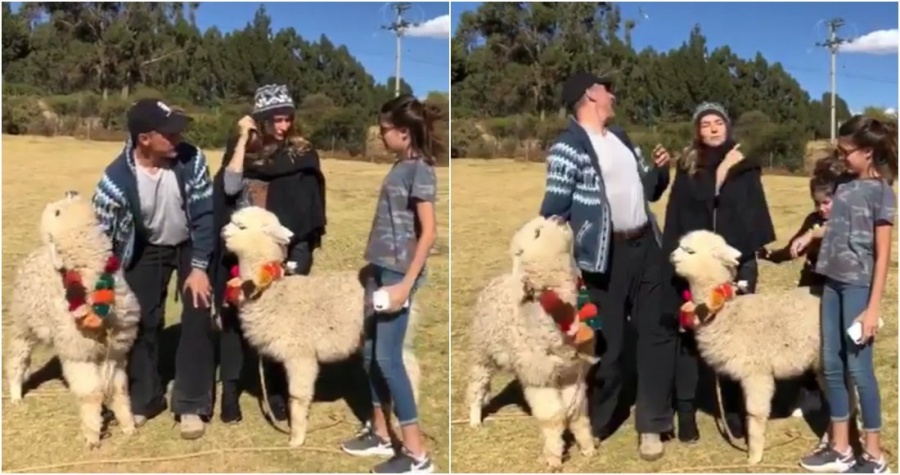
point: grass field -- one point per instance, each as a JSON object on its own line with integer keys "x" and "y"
{"x": 491, "y": 199}
{"x": 44, "y": 429}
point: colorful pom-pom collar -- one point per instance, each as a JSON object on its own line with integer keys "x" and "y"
{"x": 90, "y": 309}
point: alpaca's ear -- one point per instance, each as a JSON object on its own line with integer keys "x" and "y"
{"x": 281, "y": 234}
{"x": 54, "y": 257}
{"x": 729, "y": 255}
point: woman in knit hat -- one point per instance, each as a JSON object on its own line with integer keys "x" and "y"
{"x": 270, "y": 165}
{"x": 715, "y": 188}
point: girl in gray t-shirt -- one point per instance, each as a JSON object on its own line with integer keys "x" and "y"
{"x": 854, "y": 259}
{"x": 403, "y": 231}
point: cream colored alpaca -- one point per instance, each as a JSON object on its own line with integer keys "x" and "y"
{"x": 93, "y": 368}
{"x": 755, "y": 338}
{"x": 510, "y": 331}
{"x": 300, "y": 321}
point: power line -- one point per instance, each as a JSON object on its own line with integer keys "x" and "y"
{"x": 832, "y": 43}
{"x": 399, "y": 27}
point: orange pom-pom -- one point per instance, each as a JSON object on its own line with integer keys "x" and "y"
{"x": 104, "y": 296}
{"x": 717, "y": 300}
{"x": 91, "y": 322}
{"x": 584, "y": 334}
{"x": 727, "y": 291}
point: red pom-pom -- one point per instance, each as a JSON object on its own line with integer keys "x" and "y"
{"x": 71, "y": 278}
{"x": 686, "y": 295}
{"x": 686, "y": 320}
{"x": 587, "y": 312}
{"x": 550, "y": 301}
{"x": 235, "y": 271}
{"x": 112, "y": 265}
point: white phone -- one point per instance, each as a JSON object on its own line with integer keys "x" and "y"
{"x": 855, "y": 330}
{"x": 381, "y": 300}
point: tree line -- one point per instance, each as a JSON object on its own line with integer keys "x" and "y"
{"x": 508, "y": 61}
{"x": 74, "y": 68}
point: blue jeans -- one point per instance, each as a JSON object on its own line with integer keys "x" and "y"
{"x": 841, "y": 304}
{"x": 384, "y": 335}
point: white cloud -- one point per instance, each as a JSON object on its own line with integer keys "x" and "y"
{"x": 876, "y": 42}
{"x": 438, "y": 28}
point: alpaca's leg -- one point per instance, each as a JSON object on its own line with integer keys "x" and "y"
{"x": 17, "y": 365}
{"x": 758, "y": 391}
{"x": 411, "y": 363}
{"x": 546, "y": 406}
{"x": 85, "y": 382}
{"x": 575, "y": 404}
{"x": 301, "y": 374}
{"x": 120, "y": 402}
{"x": 479, "y": 387}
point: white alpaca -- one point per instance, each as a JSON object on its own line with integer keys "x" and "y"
{"x": 754, "y": 338}
{"x": 300, "y": 321}
{"x": 511, "y": 331}
{"x": 93, "y": 362}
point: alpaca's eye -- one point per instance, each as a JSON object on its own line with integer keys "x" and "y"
{"x": 687, "y": 250}
{"x": 537, "y": 233}
{"x": 56, "y": 213}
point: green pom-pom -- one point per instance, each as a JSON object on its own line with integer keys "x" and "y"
{"x": 105, "y": 282}
{"x": 101, "y": 309}
{"x": 593, "y": 322}
{"x": 583, "y": 298}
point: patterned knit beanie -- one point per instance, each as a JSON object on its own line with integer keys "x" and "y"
{"x": 271, "y": 100}
{"x": 710, "y": 108}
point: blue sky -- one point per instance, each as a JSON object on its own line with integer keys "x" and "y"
{"x": 783, "y": 32}
{"x": 425, "y": 55}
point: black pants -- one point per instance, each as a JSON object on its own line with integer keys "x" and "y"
{"x": 632, "y": 287}
{"x": 687, "y": 369}
{"x": 233, "y": 346}
{"x": 149, "y": 279}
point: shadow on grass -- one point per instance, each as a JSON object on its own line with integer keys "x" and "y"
{"x": 346, "y": 380}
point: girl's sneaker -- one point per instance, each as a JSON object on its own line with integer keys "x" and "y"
{"x": 868, "y": 464}
{"x": 827, "y": 460}
{"x": 367, "y": 443}
{"x": 404, "y": 462}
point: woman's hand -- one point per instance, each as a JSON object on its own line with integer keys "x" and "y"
{"x": 799, "y": 245}
{"x": 732, "y": 158}
{"x": 245, "y": 125}
{"x": 763, "y": 254}
{"x": 398, "y": 295}
{"x": 869, "y": 321}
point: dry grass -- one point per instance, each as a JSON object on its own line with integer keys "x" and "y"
{"x": 44, "y": 429}
{"x": 490, "y": 200}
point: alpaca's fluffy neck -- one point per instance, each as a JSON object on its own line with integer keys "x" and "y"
{"x": 249, "y": 264}
{"x": 89, "y": 258}
{"x": 702, "y": 287}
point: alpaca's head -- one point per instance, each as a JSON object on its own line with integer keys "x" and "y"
{"x": 541, "y": 252}
{"x": 255, "y": 234}
{"x": 70, "y": 228}
{"x": 703, "y": 257}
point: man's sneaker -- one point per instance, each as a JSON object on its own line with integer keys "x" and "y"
{"x": 368, "y": 443}
{"x": 192, "y": 426}
{"x": 403, "y": 462}
{"x": 651, "y": 447}
{"x": 868, "y": 464}
{"x": 827, "y": 460}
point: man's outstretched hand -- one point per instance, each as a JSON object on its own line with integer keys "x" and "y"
{"x": 661, "y": 156}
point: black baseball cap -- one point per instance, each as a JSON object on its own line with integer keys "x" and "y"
{"x": 153, "y": 115}
{"x": 574, "y": 87}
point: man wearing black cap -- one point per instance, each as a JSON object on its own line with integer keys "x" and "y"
{"x": 598, "y": 180}
{"x": 155, "y": 202}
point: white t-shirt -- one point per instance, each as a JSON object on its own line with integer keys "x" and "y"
{"x": 624, "y": 189}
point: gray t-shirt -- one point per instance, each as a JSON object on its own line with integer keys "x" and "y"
{"x": 162, "y": 207}
{"x": 395, "y": 228}
{"x": 848, "y": 248}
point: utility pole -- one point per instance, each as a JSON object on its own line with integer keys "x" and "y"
{"x": 399, "y": 27}
{"x": 833, "y": 43}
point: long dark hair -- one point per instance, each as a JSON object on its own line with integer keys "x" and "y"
{"x": 419, "y": 118}
{"x": 265, "y": 144}
{"x": 880, "y": 137}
